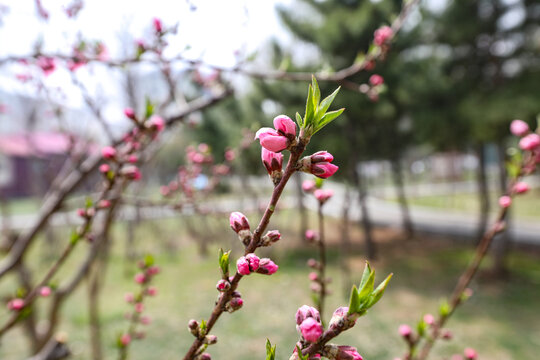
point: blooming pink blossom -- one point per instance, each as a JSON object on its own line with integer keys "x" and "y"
{"x": 47, "y": 64}
{"x": 139, "y": 278}
{"x": 505, "y": 201}
{"x": 285, "y": 126}
{"x": 45, "y": 291}
{"x": 139, "y": 307}
{"x": 238, "y": 222}
{"x": 125, "y": 339}
{"x": 108, "y": 152}
{"x": 272, "y": 161}
{"x": 519, "y": 127}
{"x": 382, "y": 35}
{"x": 347, "y": 353}
{"x": 470, "y": 354}
{"x": 405, "y": 330}
{"x": 306, "y": 311}
{"x": 376, "y": 80}
{"x": 308, "y": 185}
{"x": 311, "y": 329}
{"x": 272, "y": 140}
{"x": 529, "y": 142}
{"x": 521, "y": 187}
{"x": 267, "y": 267}
{"x": 323, "y": 195}
{"x": 16, "y": 304}
{"x": 247, "y": 264}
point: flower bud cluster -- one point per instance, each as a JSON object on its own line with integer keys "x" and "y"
{"x": 280, "y": 138}
{"x": 143, "y": 278}
{"x": 318, "y": 164}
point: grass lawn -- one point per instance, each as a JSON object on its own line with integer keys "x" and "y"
{"x": 501, "y": 320}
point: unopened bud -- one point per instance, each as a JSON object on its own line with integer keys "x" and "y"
{"x": 193, "y": 326}
{"x": 210, "y": 339}
{"x": 223, "y": 285}
{"x": 234, "y": 304}
{"x": 271, "y": 237}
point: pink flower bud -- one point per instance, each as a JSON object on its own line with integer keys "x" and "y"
{"x": 154, "y": 270}
{"x": 145, "y": 320}
{"x": 347, "y": 353}
{"x": 131, "y": 172}
{"x": 104, "y": 168}
{"x": 305, "y": 312}
{"x": 311, "y": 235}
{"x": 140, "y": 278}
{"x": 405, "y": 330}
{"x": 339, "y": 318}
{"x": 247, "y": 264}
{"x": 16, "y": 304}
{"x": 323, "y": 195}
{"x": 272, "y": 140}
{"x": 313, "y": 276}
{"x": 130, "y": 113}
{"x": 108, "y": 152}
{"x": 312, "y": 263}
{"x": 47, "y": 64}
{"x": 132, "y": 159}
{"x": 321, "y": 156}
{"x": 519, "y": 128}
{"x": 230, "y": 155}
{"x": 285, "y": 126}
{"x": 158, "y": 25}
{"x": 319, "y": 164}
{"x": 521, "y": 187}
{"x": 267, "y": 267}
{"x": 382, "y": 35}
{"x": 429, "y": 319}
{"x": 139, "y": 307}
{"x": 205, "y": 356}
{"x": 447, "y": 335}
{"x": 104, "y": 204}
{"x": 273, "y": 162}
{"x": 223, "y": 285}
{"x": 45, "y": 291}
{"x": 129, "y": 298}
{"x": 505, "y": 201}
{"x": 271, "y": 237}
{"x": 311, "y": 329}
{"x": 152, "y": 291}
{"x": 308, "y": 186}
{"x": 324, "y": 170}
{"x": 234, "y": 304}
{"x": 157, "y": 123}
{"x": 376, "y": 80}
{"x": 238, "y": 222}
{"x": 470, "y": 354}
{"x": 125, "y": 339}
{"x": 529, "y": 142}
{"x": 81, "y": 212}
{"x": 193, "y": 324}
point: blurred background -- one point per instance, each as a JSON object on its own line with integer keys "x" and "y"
{"x": 422, "y": 162}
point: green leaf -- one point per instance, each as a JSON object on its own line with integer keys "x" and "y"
{"x": 74, "y": 237}
{"x": 299, "y": 120}
{"x": 270, "y": 351}
{"x": 310, "y": 109}
{"x": 88, "y": 202}
{"x": 444, "y": 308}
{"x": 379, "y": 292}
{"x": 325, "y": 104}
{"x": 300, "y": 356}
{"x": 202, "y": 327}
{"x": 149, "y": 109}
{"x": 367, "y": 289}
{"x": 224, "y": 262}
{"x": 365, "y": 275}
{"x": 327, "y": 118}
{"x": 421, "y": 328}
{"x": 354, "y": 302}
{"x": 316, "y": 92}
{"x": 319, "y": 183}
{"x": 148, "y": 260}
{"x": 513, "y": 169}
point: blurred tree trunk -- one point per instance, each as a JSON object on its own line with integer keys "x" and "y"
{"x": 346, "y": 241}
{"x": 483, "y": 191}
{"x": 502, "y": 243}
{"x": 397, "y": 177}
{"x": 301, "y": 208}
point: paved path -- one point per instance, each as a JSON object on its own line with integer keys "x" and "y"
{"x": 382, "y": 212}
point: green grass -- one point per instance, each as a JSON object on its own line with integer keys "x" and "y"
{"x": 523, "y": 207}
{"x": 501, "y": 320}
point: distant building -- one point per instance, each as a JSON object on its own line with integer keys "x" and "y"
{"x": 29, "y": 162}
